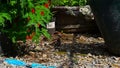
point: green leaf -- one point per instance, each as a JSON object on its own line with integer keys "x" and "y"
{"x": 45, "y": 20}
{"x": 13, "y": 2}
{"x": 30, "y": 4}
{"x": 23, "y": 3}
{"x": 14, "y": 39}
{"x": 45, "y": 33}
{"x": 74, "y": 3}
{"x": 6, "y": 15}
{"x": 42, "y": 1}
{"x": 32, "y": 16}
{"x": 36, "y": 38}
{"x": 26, "y": 15}
{"x": 2, "y": 20}
{"x": 30, "y": 23}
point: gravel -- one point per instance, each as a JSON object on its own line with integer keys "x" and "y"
{"x": 85, "y": 52}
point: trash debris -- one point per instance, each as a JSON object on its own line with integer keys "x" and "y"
{"x": 15, "y": 62}
{"x": 36, "y": 65}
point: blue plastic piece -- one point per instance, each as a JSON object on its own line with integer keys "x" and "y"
{"x": 21, "y": 63}
{"x": 51, "y": 66}
{"x": 15, "y": 62}
{"x": 43, "y": 67}
{"x": 36, "y": 65}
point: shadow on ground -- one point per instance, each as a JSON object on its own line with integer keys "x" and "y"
{"x": 94, "y": 49}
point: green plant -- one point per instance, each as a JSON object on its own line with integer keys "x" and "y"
{"x": 24, "y": 19}
{"x": 68, "y": 2}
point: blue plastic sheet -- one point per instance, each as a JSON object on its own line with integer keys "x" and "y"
{"x": 15, "y": 62}
{"x": 36, "y": 65}
{"x": 51, "y": 67}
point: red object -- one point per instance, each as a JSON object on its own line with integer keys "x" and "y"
{"x": 28, "y": 37}
{"x": 46, "y": 5}
{"x": 33, "y": 10}
{"x": 42, "y": 13}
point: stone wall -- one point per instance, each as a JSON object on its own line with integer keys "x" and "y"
{"x": 79, "y": 20}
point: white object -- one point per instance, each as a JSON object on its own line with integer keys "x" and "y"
{"x": 51, "y": 25}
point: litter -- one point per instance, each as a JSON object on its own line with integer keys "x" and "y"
{"x": 16, "y": 62}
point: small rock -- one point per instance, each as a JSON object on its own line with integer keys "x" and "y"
{"x": 101, "y": 39}
{"x": 32, "y": 54}
{"x": 86, "y": 10}
{"x": 115, "y": 58}
{"x": 44, "y": 56}
{"x": 116, "y": 65}
{"x": 38, "y": 48}
{"x": 89, "y": 55}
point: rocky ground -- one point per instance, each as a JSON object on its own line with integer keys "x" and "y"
{"x": 69, "y": 51}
